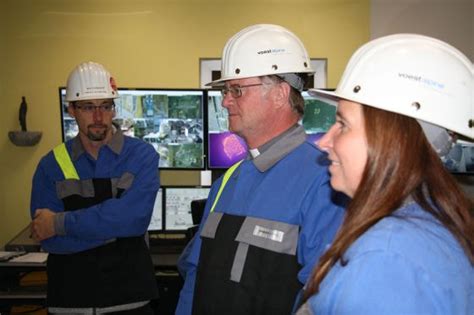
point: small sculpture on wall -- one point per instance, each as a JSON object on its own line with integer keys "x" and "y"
{"x": 22, "y": 113}
{"x": 24, "y": 137}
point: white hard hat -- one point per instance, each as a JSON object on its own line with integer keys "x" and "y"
{"x": 89, "y": 81}
{"x": 260, "y": 50}
{"x": 413, "y": 75}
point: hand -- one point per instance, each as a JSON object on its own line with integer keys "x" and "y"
{"x": 42, "y": 226}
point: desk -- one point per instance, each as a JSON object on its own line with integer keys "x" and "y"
{"x": 19, "y": 297}
{"x": 22, "y": 284}
{"x": 164, "y": 250}
{"x": 13, "y": 293}
{"x": 169, "y": 282}
{"x": 165, "y": 261}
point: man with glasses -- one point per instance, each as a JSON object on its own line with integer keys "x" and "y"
{"x": 91, "y": 204}
{"x": 271, "y": 216}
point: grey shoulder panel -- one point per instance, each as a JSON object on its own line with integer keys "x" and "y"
{"x": 69, "y": 187}
{"x": 212, "y": 222}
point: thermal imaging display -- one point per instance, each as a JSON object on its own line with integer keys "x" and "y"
{"x": 224, "y": 147}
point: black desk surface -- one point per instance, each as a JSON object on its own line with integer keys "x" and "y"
{"x": 161, "y": 260}
{"x": 165, "y": 264}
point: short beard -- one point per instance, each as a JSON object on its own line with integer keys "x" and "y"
{"x": 100, "y": 136}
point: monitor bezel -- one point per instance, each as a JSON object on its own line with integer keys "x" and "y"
{"x": 160, "y": 210}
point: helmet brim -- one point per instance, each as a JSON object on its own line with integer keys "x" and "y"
{"x": 319, "y": 92}
{"x": 220, "y": 82}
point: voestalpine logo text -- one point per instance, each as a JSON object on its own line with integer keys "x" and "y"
{"x": 271, "y": 51}
{"x": 422, "y": 80}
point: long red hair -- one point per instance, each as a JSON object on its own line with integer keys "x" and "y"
{"x": 401, "y": 164}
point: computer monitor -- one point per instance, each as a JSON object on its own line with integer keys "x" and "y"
{"x": 156, "y": 222}
{"x": 226, "y": 148}
{"x": 319, "y": 115}
{"x": 178, "y": 205}
{"x": 171, "y": 120}
{"x": 460, "y": 159}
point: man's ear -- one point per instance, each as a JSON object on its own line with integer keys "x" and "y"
{"x": 281, "y": 94}
{"x": 70, "y": 109}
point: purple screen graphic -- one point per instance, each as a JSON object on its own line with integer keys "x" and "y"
{"x": 225, "y": 149}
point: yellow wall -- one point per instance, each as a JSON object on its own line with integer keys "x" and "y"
{"x": 144, "y": 44}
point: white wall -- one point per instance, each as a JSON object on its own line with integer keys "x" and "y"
{"x": 449, "y": 20}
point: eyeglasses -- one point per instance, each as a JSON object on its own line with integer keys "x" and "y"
{"x": 236, "y": 89}
{"x": 89, "y": 108}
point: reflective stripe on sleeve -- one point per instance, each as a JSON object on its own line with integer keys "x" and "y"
{"x": 64, "y": 160}
{"x": 227, "y": 175}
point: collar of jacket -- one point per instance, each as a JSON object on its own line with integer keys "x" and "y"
{"x": 115, "y": 144}
{"x": 279, "y": 147}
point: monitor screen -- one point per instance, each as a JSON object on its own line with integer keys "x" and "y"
{"x": 178, "y": 206}
{"x": 156, "y": 222}
{"x": 460, "y": 158}
{"x": 319, "y": 115}
{"x": 170, "y": 120}
{"x": 224, "y": 147}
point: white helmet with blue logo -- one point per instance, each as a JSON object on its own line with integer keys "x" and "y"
{"x": 263, "y": 49}
{"x": 413, "y": 75}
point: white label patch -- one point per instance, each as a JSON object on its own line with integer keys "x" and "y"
{"x": 270, "y": 234}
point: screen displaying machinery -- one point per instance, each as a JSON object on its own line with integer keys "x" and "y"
{"x": 170, "y": 120}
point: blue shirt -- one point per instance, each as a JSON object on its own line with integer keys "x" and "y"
{"x": 126, "y": 216}
{"x": 407, "y": 263}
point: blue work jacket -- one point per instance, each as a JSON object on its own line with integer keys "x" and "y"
{"x": 122, "y": 158}
{"x": 288, "y": 182}
{"x": 407, "y": 263}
